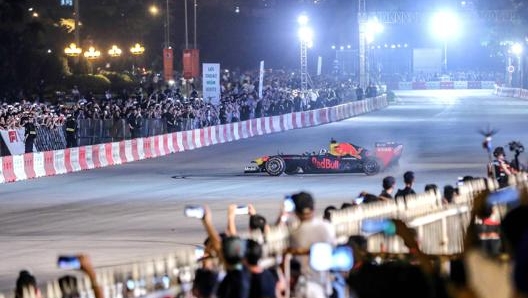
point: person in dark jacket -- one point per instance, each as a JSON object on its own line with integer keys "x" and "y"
{"x": 71, "y": 131}
{"x": 30, "y": 134}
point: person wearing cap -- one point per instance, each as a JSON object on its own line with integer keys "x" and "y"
{"x": 311, "y": 230}
{"x": 388, "y": 187}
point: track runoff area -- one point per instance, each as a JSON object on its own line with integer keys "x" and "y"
{"x": 134, "y": 212}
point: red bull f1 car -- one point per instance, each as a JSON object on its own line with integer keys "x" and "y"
{"x": 339, "y": 158}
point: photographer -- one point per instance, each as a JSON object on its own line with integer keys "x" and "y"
{"x": 502, "y": 169}
{"x": 518, "y": 148}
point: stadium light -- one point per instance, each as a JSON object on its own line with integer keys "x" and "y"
{"x": 517, "y": 49}
{"x": 445, "y": 25}
{"x": 306, "y": 41}
{"x": 373, "y": 28}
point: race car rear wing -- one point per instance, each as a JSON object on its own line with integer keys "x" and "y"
{"x": 388, "y": 153}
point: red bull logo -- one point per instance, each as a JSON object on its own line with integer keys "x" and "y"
{"x": 325, "y": 163}
{"x": 343, "y": 149}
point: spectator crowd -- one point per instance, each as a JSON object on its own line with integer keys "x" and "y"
{"x": 232, "y": 266}
{"x": 176, "y": 109}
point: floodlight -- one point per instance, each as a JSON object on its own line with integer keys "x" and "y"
{"x": 302, "y": 20}
{"x": 445, "y": 25}
{"x": 517, "y": 49}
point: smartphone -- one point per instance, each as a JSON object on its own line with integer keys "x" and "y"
{"x": 289, "y": 205}
{"x": 199, "y": 253}
{"x": 373, "y": 226}
{"x": 69, "y": 262}
{"x": 242, "y": 210}
{"x": 194, "y": 211}
{"x": 359, "y": 200}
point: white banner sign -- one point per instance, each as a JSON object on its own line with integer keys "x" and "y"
{"x": 261, "y": 79}
{"x": 211, "y": 82}
{"x": 14, "y": 140}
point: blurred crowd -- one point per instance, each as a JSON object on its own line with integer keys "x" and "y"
{"x": 182, "y": 106}
{"x": 233, "y": 266}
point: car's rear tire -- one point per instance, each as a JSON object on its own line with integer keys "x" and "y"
{"x": 371, "y": 166}
{"x": 275, "y": 166}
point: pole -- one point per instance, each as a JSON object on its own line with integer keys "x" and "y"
{"x": 521, "y": 72}
{"x": 186, "y": 26}
{"x": 77, "y": 27}
{"x": 195, "y": 7}
{"x": 445, "y": 56}
{"x": 167, "y": 26}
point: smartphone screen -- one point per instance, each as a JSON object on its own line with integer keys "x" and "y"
{"x": 194, "y": 211}
{"x": 242, "y": 210}
{"x": 289, "y": 205}
{"x": 69, "y": 262}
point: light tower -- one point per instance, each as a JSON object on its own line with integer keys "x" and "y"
{"x": 305, "y": 37}
{"x": 362, "y": 25}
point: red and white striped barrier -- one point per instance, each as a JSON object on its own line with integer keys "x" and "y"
{"x": 39, "y": 164}
{"x": 511, "y": 92}
{"x": 441, "y": 85}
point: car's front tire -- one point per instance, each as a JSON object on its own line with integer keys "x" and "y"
{"x": 275, "y": 166}
{"x": 371, "y": 166}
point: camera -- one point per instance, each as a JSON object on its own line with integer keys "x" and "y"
{"x": 69, "y": 262}
{"x": 516, "y": 146}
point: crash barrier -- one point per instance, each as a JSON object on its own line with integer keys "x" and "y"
{"x": 511, "y": 92}
{"x": 38, "y": 164}
{"x": 441, "y": 230}
{"x": 439, "y": 85}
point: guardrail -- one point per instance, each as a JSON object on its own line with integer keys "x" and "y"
{"x": 441, "y": 85}
{"x": 511, "y": 92}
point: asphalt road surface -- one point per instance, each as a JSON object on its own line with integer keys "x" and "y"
{"x": 134, "y": 211}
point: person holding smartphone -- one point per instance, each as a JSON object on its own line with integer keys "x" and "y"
{"x": 311, "y": 230}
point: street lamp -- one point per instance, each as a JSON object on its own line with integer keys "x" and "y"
{"x": 445, "y": 25}
{"x": 72, "y": 50}
{"x": 306, "y": 39}
{"x": 136, "y": 50}
{"x": 92, "y": 54}
{"x": 115, "y": 51}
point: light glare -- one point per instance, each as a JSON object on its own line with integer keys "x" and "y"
{"x": 445, "y": 25}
